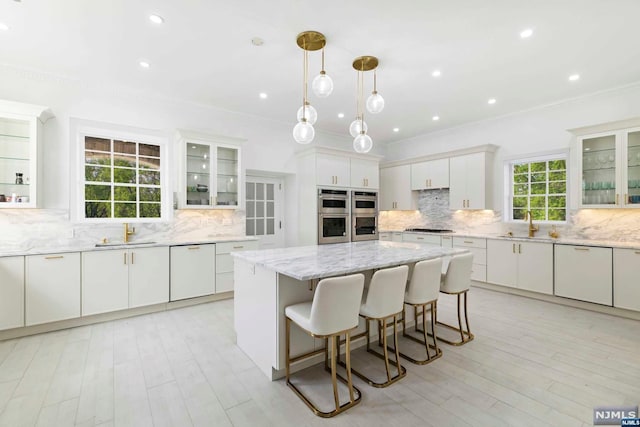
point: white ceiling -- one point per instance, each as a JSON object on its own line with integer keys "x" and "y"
{"x": 203, "y": 53}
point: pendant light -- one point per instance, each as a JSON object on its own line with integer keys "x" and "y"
{"x": 375, "y": 102}
{"x": 303, "y": 131}
{"x": 362, "y": 143}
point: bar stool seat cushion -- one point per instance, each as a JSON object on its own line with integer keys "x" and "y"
{"x": 424, "y": 285}
{"x": 383, "y": 299}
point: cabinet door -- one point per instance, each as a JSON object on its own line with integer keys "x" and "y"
{"x": 598, "y": 160}
{"x": 105, "y": 281}
{"x": 626, "y": 287}
{"x": 629, "y": 188}
{"x": 430, "y": 174}
{"x": 584, "y": 273}
{"x": 364, "y": 173}
{"x": 52, "y": 288}
{"x": 332, "y": 170}
{"x": 225, "y": 263}
{"x": 535, "y": 267}
{"x": 502, "y": 262}
{"x": 429, "y": 239}
{"x": 199, "y": 190}
{"x": 12, "y": 292}
{"x": 458, "y": 182}
{"x": 227, "y": 178}
{"x": 193, "y": 271}
{"x": 384, "y": 236}
{"x": 395, "y": 188}
{"x": 396, "y": 236}
{"x": 476, "y": 181}
{"x": 148, "y": 276}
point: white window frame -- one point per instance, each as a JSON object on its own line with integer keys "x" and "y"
{"x": 508, "y": 182}
{"x": 79, "y": 129}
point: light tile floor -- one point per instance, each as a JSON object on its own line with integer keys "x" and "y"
{"x": 532, "y": 364}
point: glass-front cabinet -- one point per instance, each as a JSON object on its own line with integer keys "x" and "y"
{"x": 610, "y": 168}
{"x": 20, "y": 145}
{"x": 211, "y": 174}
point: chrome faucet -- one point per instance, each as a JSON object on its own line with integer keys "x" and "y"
{"x": 532, "y": 228}
{"x": 128, "y": 232}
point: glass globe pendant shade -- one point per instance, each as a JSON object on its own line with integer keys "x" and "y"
{"x": 310, "y": 114}
{"x": 362, "y": 143}
{"x": 357, "y": 126}
{"x": 375, "y": 103}
{"x": 303, "y": 132}
{"x": 322, "y": 85}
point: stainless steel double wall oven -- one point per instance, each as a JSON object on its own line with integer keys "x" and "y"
{"x": 345, "y": 216}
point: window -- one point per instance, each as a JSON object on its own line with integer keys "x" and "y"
{"x": 260, "y": 209}
{"x": 540, "y": 186}
{"x": 121, "y": 176}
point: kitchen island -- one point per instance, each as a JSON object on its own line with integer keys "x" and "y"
{"x": 267, "y": 281}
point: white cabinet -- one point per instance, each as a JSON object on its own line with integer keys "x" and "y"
{"x": 117, "y": 279}
{"x": 384, "y": 236}
{"x": 609, "y": 165}
{"x": 395, "y": 189}
{"x": 364, "y": 174}
{"x": 522, "y": 265}
{"x": 470, "y": 181}
{"x": 332, "y": 170}
{"x": 21, "y": 154}
{"x": 396, "y": 236}
{"x": 446, "y": 241}
{"x": 210, "y": 174}
{"x": 429, "y": 239}
{"x": 584, "y": 273}
{"x": 626, "y": 271}
{"x": 430, "y": 174}
{"x": 52, "y": 288}
{"x": 193, "y": 271}
{"x": 11, "y": 292}
{"x": 224, "y": 262}
{"x": 478, "y": 247}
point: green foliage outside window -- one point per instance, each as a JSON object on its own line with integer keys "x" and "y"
{"x": 539, "y": 187}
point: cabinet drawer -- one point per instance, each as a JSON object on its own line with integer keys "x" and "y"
{"x": 224, "y": 282}
{"x": 469, "y": 242}
{"x": 224, "y": 263}
{"x": 446, "y": 241}
{"x": 421, "y": 238}
{"x": 228, "y": 247}
{"x": 479, "y": 272}
{"x": 384, "y": 236}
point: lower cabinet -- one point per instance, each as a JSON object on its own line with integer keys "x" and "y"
{"x": 626, "y": 287}
{"x": 584, "y": 273}
{"x": 224, "y": 262}
{"x": 478, "y": 247}
{"x": 11, "y": 292}
{"x": 193, "y": 271}
{"x": 52, "y": 288}
{"x": 522, "y": 265}
{"x": 124, "y": 278}
{"x": 429, "y": 239}
{"x": 384, "y": 236}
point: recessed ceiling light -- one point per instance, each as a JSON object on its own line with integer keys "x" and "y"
{"x": 435, "y": 118}
{"x": 436, "y": 73}
{"x": 587, "y": 149}
{"x": 574, "y": 77}
{"x": 156, "y": 19}
{"x": 341, "y": 115}
{"x": 257, "y": 41}
{"x": 3, "y": 26}
{"x": 144, "y": 64}
{"x": 263, "y": 95}
{"x": 525, "y": 34}
{"x": 396, "y": 129}
{"x": 491, "y": 101}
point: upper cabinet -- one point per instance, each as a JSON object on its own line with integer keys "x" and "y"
{"x": 211, "y": 175}
{"x": 364, "y": 173}
{"x": 469, "y": 181}
{"x": 395, "y": 189}
{"x": 326, "y": 167}
{"x": 609, "y": 165}
{"x": 430, "y": 174}
{"x": 21, "y": 154}
{"x": 332, "y": 170}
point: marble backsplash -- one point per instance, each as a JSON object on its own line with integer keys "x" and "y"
{"x": 23, "y": 229}
{"x": 433, "y": 212}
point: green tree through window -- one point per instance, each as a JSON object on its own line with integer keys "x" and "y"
{"x": 539, "y": 187}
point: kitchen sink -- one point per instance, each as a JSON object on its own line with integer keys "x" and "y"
{"x": 111, "y": 244}
{"x": 535, "y": 238}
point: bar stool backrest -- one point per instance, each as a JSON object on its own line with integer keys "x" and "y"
{"x": 424, "y": 285}
{"x": 386, "y": 292}
{"x": 336, "y": 304}
{"x": 458, "y": 276}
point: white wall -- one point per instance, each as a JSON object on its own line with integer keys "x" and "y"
{"x": 529, "y": 132}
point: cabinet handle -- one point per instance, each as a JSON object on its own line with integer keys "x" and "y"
{"x": 626, "y": 199}
{"x": 238, "y": 247}
{"x": 429, "y": 182}
{"x": 617, "y": 196}
{"x": 581, "y": 249}
{"x": 124, "y": 258}
{"x": 519, "y": 248}
{"x": 54, "y": 257}
{"x": 132, "y": 258}
{"x": 446, "y": 238}
{"x": 513, "y": 248}
{"x": 194, "y": 248}
{"x": 637, "y": 252}
{"x": 468, "y": 241}
{"x": 420, "y": 238}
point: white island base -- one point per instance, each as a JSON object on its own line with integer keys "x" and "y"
{"x": 268, "y": 281}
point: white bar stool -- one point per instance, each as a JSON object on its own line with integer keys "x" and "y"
{"x": 333, "y": 312}
{"x": 385, "y": 300}
{"x": 456, "y": 281}
{"x": 422, "y": 291}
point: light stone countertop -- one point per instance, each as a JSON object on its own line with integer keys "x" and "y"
{"x": 315, "y": 262}
{"x": 142, "y": 243}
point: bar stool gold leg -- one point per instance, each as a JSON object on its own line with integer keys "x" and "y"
{"x": 465, "y": 335}
{"x": 420, "y": 310}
